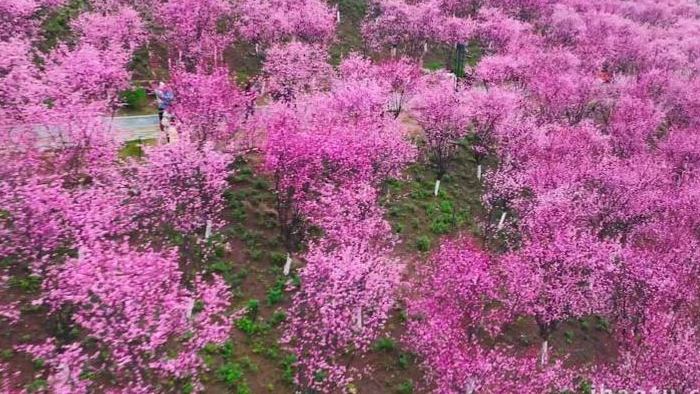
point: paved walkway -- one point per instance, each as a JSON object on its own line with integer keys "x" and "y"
{"x": 130, "y": 128}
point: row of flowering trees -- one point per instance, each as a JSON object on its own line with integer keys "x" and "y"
{"x": 328, "y": 153}
{"x": 589, "y": 113}
{"x": 582, "y": 119}
{"x": 97, "y": 229}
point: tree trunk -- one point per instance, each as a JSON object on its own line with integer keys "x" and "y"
{"x": 544, "y": 355}
{"x": 437, "y": 187}
{"x": 358, "y": 319}
{"x": 207, "y": 231}
{"x": 502, "y": 221}
{"x": 478, "y": 172}
{"x": 287, "y": 265}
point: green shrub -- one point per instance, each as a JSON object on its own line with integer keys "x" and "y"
{"x": 275, "y": 294}
{"x": 404, "y": 360}
{"x": 423, "y": 243}
{"x": 135, "y": 98}
{"x": 569, "y": 337}
{"x": 252, "y": 308}
{"x": 28, "y": 284}
{"x": 384, "y": 345}
{"x": 278, "y": 258}
{"x": 277, "y": 318}
{"x": 433, "y": 66}
{"x": 247, "y": 326}
{"x": 288, "y": 369}
{"x": 232, "y": 374}
{"x": 405, "y": 387}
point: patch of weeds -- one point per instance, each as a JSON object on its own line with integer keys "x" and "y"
{"x": 39, "y": 363}
{"x": 287, "y": 365}
{"x": 135, "y": 98}
{"x": 28, "y": 284}
{"x": 585, "y": 324}
{"x": 405, "y": 387}
{"x": 252, "y": 308}
{"x": 261, "y": 184}
{"x": 249, "y": 327}
{"x": 434, "y": 65}
{"x": 254, "y": 253}
{"x": 585, "y": 387}
{"x": 37, "y": 385}
{"x": 6, "y": 354}
{"x": 404, "y": 360}
{"x": 132, "y": 149}
{"x": 384, "y": 344}
{"x": 271, "y": 353}
{"x": 277, "y": 318}
{"x": 602, "y": 324}
{"x": 444, "y": 217}
{"x": 5, "y": 261}
{"x": 197, "y": 307}
{"x": 275, "y": 294}
{"x": 278, "y": 258}
{"x": 320, "y": 376}
{"x": 418, "y": 192}
{"x": 569, "y": 337}
{"x": 232, "y": 375}
{"x": 227, "y": 350}
{"x": 248, "y": 364}
{"x": 423, "y": 243}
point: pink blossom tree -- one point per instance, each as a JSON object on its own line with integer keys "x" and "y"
{"x": 197, "y": 31}
{"x": 208, "y": 106}
{"x": 294, "y": 69}
{"x": 440, "y": 112}
{"x": 265, "y": 22}
{"x": 453, "y": 310}
{"x": 345, "y": 299}
{"x": 133, "y": 304}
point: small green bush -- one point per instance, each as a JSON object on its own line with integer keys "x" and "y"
{"x": 247, "y": 326}
{"x": 384, "y": 345}
{"x": 135, "y": 98}
{"x": 277, "y": 318}
{"x": 405, "y": 387}
{"x": 423, "y": 243}
{"x": 28, "y": 284}
{"x": 231, "y": 374}
{"x": 252, "y": 308}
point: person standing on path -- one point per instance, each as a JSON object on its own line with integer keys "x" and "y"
{"x": 164, "y": 98}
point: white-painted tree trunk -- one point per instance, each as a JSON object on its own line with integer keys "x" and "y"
{"x": 257, "y": 48}
{"x": 287, "y": 265}
{"x": 425, "y": 48}
{"x": 207, "y": 231}
{"x": 544, "y": 356}
{"x": 437, "y": 187}
{"x": 502, "y": 221}
{"x": 471, "y": 386}
{"x": 337, "y": 16}
{"x": 393, "y": 51}
{"x": 478, "y": 172}
{"x": 358, "y": 319}
{"x": 190, "y": 309}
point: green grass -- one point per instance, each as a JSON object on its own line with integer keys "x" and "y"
{"x": 56, "y": 26}
{"x": 419, "y": 217}
{"x": 135, "y": 99}
{"x": 384, "y": 344}
{"x": 135, "y": 148}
